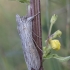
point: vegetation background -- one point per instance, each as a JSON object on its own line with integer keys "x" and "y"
{"x": 11, "y": 55}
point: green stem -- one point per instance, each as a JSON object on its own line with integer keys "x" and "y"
{"x": 50, "y": 30}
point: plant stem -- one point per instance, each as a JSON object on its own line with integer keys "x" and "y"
{"x": 50, "y": 29}
{"x": 36, "y": 28}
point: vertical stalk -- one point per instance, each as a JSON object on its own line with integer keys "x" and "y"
{"x": 47, "y": 13}
{"x": 67, "y": 24}
{"x": 36, "y": 27}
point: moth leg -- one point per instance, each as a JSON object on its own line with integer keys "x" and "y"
{"x": 37, "y": 45}
{"x": 32, "y": 17}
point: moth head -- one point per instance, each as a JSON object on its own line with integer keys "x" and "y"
{"x": 20, "y": 23}
{"x": 22, "y": 19}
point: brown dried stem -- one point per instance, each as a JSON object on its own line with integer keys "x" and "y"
{"x": 36, "y": 27}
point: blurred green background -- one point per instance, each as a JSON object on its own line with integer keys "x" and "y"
{"x": 11, "y": 55}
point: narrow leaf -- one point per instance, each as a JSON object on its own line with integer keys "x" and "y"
{"x": 59, "y": 58}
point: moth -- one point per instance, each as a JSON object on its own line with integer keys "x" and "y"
{"x": 31, "y": 55}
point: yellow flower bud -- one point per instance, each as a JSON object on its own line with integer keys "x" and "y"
{"x": 55, "y": 44}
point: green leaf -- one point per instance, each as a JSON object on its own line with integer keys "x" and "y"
{"x": 59, "y": 58}
{"x": 23, "y": 1}
{"x": 62, "y": 59}
{"x": 46, "y": 51}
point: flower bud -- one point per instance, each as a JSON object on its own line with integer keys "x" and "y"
{"x": 55, "y": 44}
{"x": 56, "y": 34}
{"x": 53, "y": 19}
